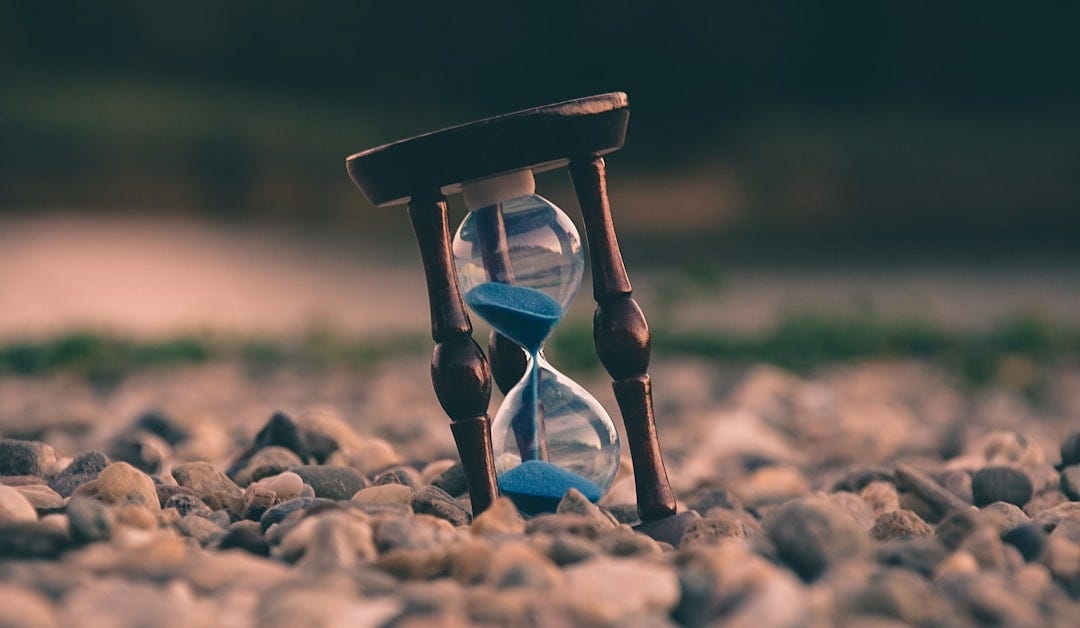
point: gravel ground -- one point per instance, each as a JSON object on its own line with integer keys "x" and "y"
{"x": 873, "y": 494}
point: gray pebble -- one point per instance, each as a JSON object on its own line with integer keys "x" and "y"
{"x": 626, "y": 542}
{"x": 452, "y": 480}
{"x": 91, "y": 520}
{"x": 437, "y": 502}
{"x": 567, "y": 549}
{"x": 31, "y": 539}
{"x": 716, "y": 525}
{"x": 1001, "y": 484}
{"x": 811, "y": 534}
{"x": 1070, "y": 482}
{"x": 1070, "y": 450}
{"x": 952, "y": 530}
{"x": 264, "y": 463}
{"x": 245, "y": 535}
{"x": 278, "y": 513}
{"x": 400, "y": 475}
{"x": 338, "y": 483}
{"x": 715, "y": 497}
{"x": 142, "y": 450}
{"x": 25, "y": 457}
{"x": 83, "y": 469}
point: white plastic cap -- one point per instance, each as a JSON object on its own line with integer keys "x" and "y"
{"x": 487, "y": 192}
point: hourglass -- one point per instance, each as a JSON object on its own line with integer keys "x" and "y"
{"x": 517, "y": 261}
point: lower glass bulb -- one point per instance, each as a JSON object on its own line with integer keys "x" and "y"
{"x": 551, "y": 435}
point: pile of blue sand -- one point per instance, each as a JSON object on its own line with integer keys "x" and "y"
{"x": 536, "y": 486}
{"x": 524, "y": 315}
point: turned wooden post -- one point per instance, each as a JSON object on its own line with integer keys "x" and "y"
{"x": 459, "y": 371}
{"x": 622, "y": 340}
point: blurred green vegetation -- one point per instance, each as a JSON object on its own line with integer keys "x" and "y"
{"x": 1007, "y": 353}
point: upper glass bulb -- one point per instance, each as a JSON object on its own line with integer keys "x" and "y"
{"x": 526, "y": 242}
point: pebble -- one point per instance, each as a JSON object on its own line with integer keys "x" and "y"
{"x": 1028, "y": 539}
{"x": 263, "y": 463}
{"x": 1004, "y": 516}
{"x": 567, "y": 549}
{"x": 854, "y": 506}
{"x": 406, "y": 476}
{"x": 942, "y": 501}
{"x": 247, "y": 536}
{"x": 23, "y": 608}
{"x": 279, "y": 431}
{"x": 278, "y": 513}
{"x": 142, "y": 450}
{"x": 120, "y": 483}
{"x": 338, "y": 483}
{"x": 452, "y": 480}
{"x": 370, "y": 457}
{"x": 717, "y": 525}
{"x": 880, "y": 496}
{"x": 956, "y": 527}
{"x": 41, "y": 497}
{"x": 811, "y": 534}
{"x": 899, "y": 524}
{"x": 284, "y": 486}
{"x": 82, "y": 469}
{"x": 1070, "y": 450}
{"x": 90, "y": 520}
{"x": 14, "y": 506}
{"x": 1070, "y": 482}
{"x": 902, "y": 595}
{"x": 201, "y": 529}
{"x": 21, "y": 539}
{"x": 919, "y": 554}
{"x": 1001, "y": 483}
{"x": 773, "y": 484}
{"x": 211, "y": 485}
{"x": 188, "y": 504}
{"x": 437, "y": 502}
{"x": 573, "y": 502}
{"x": 163, "y": 426}
{"x": 625, "y": 542}
{"x": 517, "y": 565}
{"x": 501, "y": 518}
{"x": 25, "y": 457}
{"x": 610, "y": 590}
{"x": 553, "y": 524}
{"x": 396, "y": 494}
{"x": 715, "y": 497}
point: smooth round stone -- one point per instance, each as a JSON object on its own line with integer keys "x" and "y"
{"x": 536, "y": 486}
{"x": 14, "y": 506}
{"x": 25, "y": 457}
{"x": 41, "y": 497}
{"x": 385, "y": 494}
{"x": 120, "y": 483}
{"x": 90, "y": 520}
{"x": 285, "y": 486}
{"x": 437, "y": 502}
{"x": 1029, "y": 539}
{"x": 1001, "y": 484}
{"x": 211, "y": 485}
{"x": 1070, "y": 482}
{"x": 406, "y": 476}
{"x": 1070, "y": 450}
{"x": 811, "y": 535}
{"x": 337, "y": 483}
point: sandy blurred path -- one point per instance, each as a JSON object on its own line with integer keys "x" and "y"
{"x": 153, "y": 276}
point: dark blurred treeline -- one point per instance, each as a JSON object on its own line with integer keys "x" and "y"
{"x": 825, "y": 117}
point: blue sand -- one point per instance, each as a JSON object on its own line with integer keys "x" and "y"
{"x": 524, "y": 315}
{"x": 537, "y": 486}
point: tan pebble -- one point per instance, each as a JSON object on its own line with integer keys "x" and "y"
{"x": 384, "y": 494}
{"x": 135, "y": 516}
{"x": 14, "y": 506}
{"x": 957, "y": 563}
{"x": 58, "y": 522}
{"x": 881, "y": 496}
{"x": 501, "y": 517}
{"x": 121, "y": 483}
{"x": 285, "y": 485}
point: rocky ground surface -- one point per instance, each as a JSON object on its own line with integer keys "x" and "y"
{"x": 876, "y": 494}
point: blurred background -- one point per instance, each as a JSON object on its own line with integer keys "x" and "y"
{"x": 906, "y": 170}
